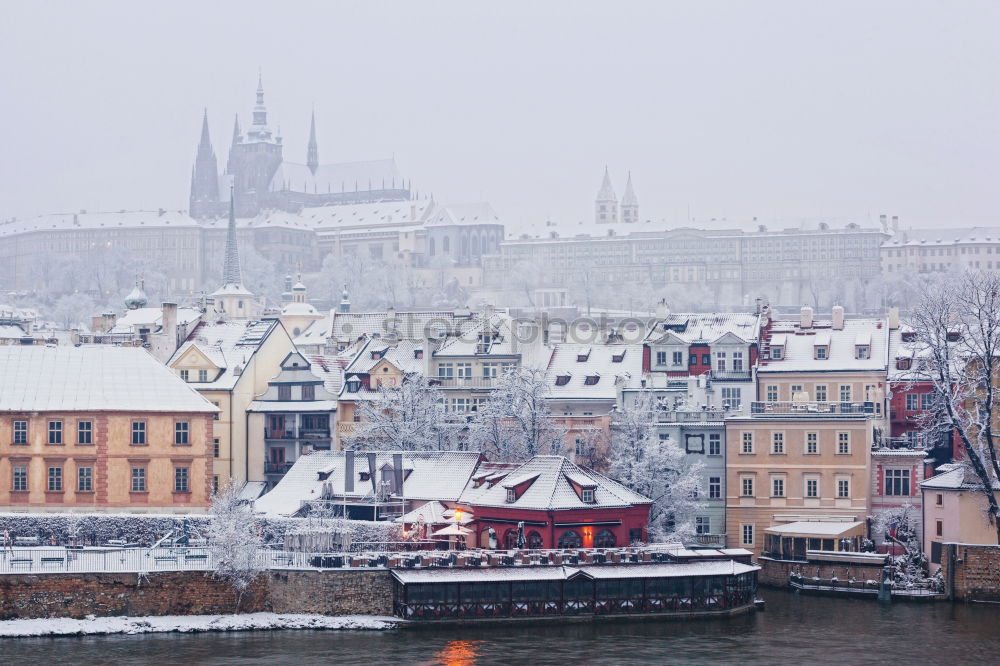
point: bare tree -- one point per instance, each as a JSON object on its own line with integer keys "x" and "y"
{"x": 957, "y": 327}
{"x": 234, "y": 541}
{"x": 658, "y": 469}
{"x": 516, "y": 422}
{"x": 407, "y": 417}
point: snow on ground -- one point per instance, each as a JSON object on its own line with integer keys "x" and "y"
{"x": 188, "y": 623}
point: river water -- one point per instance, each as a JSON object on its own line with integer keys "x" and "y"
{"x": 794, "y": 629}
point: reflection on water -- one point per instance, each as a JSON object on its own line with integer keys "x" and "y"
{"x": 793, "y": 629}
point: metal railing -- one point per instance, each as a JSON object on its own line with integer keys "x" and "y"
{"x": 464, "y": 382}
{"x": 732, "y": 375}
{"x": 813, "y": 409}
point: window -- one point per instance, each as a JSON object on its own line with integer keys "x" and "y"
{"x": 20, "y": 432}
{"x": 843, "y": 488}
{"x": 55, "y": 432}
{"x": 215, "y": 447}
{"x": 730, "y": 397}
{"x": 591, "y": 380}
{"x": 308, "y": 392}
{"x": 777, "y": 486}
{"x": 464, "y": 369}
{"x": 746, "y": 486}
{"x": 738, "y": 361}
{"x": 490, "y": 370}
{"x": 862, "y": 351}
{"x": 694, "y": 443}
{"x": 912, "y": 402}
{"x": 939, "y": 528}
{"x": 843, "y": 443}
{"x": 812, "y": 488}
{"x": 84, "y": 479}
{"x": 511, "y": 495}
{"x": 693, "y": 359}
{"x": 778, "y": 352}
{"x": 845, "y": 393}
{"x": 706, "y": 359}
{"x": 720, "y": 361}
{"x": 678, "y": 358}
{"x": 588, "y": 495}
{"x": 181, "y": 431}
{"x": 715, "y": 444}
{"x": 138, "y": 479}
{"x": 897, "y": 482}
{"x": 446, "y": 370}
{"x": 138, "y": 433}
{"x": 795, "y": 388}
{"x": 821, "y": 393}
{"x": 714, "y": 487}
{"x": 284, "y": 392}
{"x": 926, "y": 401}
{"x": 185, "y": 375}
{"x": 939, "y": 500}
{"x": 84, "y": 432}
{"x": 772, "y": 394}
{"x": 181, "y": 484}
{"x": 812, "y": 443}
{"x": 902, "y": 364}
{"x": 20, "y": 478}
{"x": 820, "y": 352}
{"x": 661, "y": 358}
{"x": 747, "y": 534}
{"x": 777, "y": 442}
{"x": 215, "y": 416}
{"x": 55, "y": 479}
{"x": 203, "y": 375}
{"x": 215, "y": 483}
{"x": 702, "y": 525}
{"x": 747, "y": 444}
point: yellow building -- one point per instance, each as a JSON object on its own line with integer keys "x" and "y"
{"x": 954, "y": 512}
{"x": 100, "y": 428}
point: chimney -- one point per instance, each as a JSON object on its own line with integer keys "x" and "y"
{"x": 806, "y": 317}
{"x": 883, "y": 221}
{"x": 893, "y": 318}
{"x": 109, "y": 321}
{"x": 838, "y": 318}
{"x": 895, "y": 223}
{"x": 169, "y": 324}
{"x": 662, "y": 309}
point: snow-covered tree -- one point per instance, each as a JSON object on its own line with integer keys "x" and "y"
{"x": 516, "y": 423}
{"x": 957, "y": 327}
{"x": 234, "y": 541}
{"x": 897, "y": 525}
{"x": 658, "y": 469}
{"x": 404, "y": 418}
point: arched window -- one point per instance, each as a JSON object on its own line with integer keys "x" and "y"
{"x": 446, "y": 245}
{"x": 534, "y": 540}
{"x": 475, "y": 245}
{"x": 510, "y": 539}
{"x": 569, "y": 539}
{"x": 605, "y": 539}
{"x": 430, "y": 244}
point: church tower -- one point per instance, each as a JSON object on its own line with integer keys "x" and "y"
{"x": 232, "y": 299}
{"x": 204, "y": 177}
{"x": 312, "y": 154}
{"x": 606, "y": 205}
{"x": 630, "y": 203}
{"x": 254, "y": 159}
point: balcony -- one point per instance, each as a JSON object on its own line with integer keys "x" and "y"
{"x": 691, "y": 416}
{"x": 345, "y": 428}
{"x": 902, "y": 444}
{"x": 314, "y": 433}
{"x": 279, "y": 434}
{"x": 481, "y": 383}
{"x": 713, "y": 540}
{"x": 732, "y": 375}
{"x": 293, "y": 434}
{"x": 277, "y": 467}
{"x": 818, "y": 410}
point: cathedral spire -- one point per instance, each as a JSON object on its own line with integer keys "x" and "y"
{"x": 606, "y": 205}
{"x": 204, "y": 176}
{"x": 232, "y": 274}
{"x": 312, "y": 154}
{"x": 259, "y": 110}
{"x": 206, "y": 142}
{"x": 630, "y": 202}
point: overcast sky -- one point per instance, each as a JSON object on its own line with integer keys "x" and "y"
{"x": 737, "y": 109}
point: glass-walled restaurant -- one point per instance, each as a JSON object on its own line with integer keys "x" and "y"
{"x": 567, "y": 591}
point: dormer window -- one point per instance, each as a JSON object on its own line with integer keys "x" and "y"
{"x": 909, "y": 336}
{"x": 562, "y": 380}
{"x": 588, "y": 496}
{"x": 862, "y": 352}
{"x": 618, "y": 358}
{"x": 511, "y": 495}
{"x": 582, "y": 357}
{"x": 353, "y": 385}
{"x": 903, "y": 363}
{"x": 418, "y": 353}
{"x": 821, "y": 353}
{"x": 376, "y": 355}
{"x": 778, "y": 353}
{"x": 591, "y": 380}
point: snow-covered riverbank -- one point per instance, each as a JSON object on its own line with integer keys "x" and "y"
{"x": 188, "y": 624}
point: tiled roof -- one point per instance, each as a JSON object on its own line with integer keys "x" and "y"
{"x": 228, "y": 345}
{"x": 152, "y": 317}
{"x": 551, "y": 489}
{"x": 943, "y": 237}
{"x": 799, "y": 346}
{"x": 600, "y": 363}
{"x": 91, "y": 378}
{"x": 705, "y": 327}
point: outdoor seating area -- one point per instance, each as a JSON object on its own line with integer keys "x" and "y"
{"x": 792, "y": 541}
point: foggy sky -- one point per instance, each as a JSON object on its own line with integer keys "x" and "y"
{"x": 772, "y": 109}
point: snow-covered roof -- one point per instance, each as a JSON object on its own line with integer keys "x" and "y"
{"x": 431, "y": 513}
{"x": 470, "y": 213}
{"x": 959, "y": 477}
{"x": 800, "y": 344}
{"x": 91, "y": 378}
{"x": 330, "y": 369}
{"x": 692, "y": 327}
{"x": 402, "y": 354}
{"x": 292, "y": 406}
{"x": 497, "y": 325}
{"x": 316, "y": 334}
{"x": 228, "y": 345}
{"x": 943, "y": 237}
{"x": 337, "y": 177}
{"x": 434, "y": 475}
{"x": 565, "y": 572}
{"x": 151, "y": 318}
{"x": 300, "y": 310}
{"x": 817, "y": 528}
{"x": 611, "y": 365}
{"x": 551, "y": 488}
{"x": 409, "y": 324}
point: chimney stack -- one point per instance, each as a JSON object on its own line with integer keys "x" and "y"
{"x": 806, "y": 317}
{"x": 838, "y": 318}
{"x": 883, "y": 221}
{"x": 895, "y": 223}
{"x": 169, "y": 324}
{"x": 662, "y": 309}
{"x": 893, "y": 318}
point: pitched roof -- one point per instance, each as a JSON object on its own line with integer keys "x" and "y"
{"x": 408, "y": 325}
{"x": 92, "y": 378}
{"x": 152, "y": 317}
{"x": 800, "y": 346}
{"x": 600, "y": 363}
{"x": 229, "y": 345}
{"x": 551, "y": 488}
{"x": 694, "y": 327}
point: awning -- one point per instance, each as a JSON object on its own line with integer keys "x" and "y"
{"x": 818, "y": 530}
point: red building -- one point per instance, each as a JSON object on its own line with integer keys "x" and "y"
{"x": 560, "y": 504}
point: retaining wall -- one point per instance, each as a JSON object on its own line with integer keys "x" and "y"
{"x": 775, "y": 573}
{"x": 971, "y": 572}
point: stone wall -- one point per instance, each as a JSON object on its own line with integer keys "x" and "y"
{"x": 775, "y": 573}
{"x": 971, "y": 572}
{"x": 193, "y": 593}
